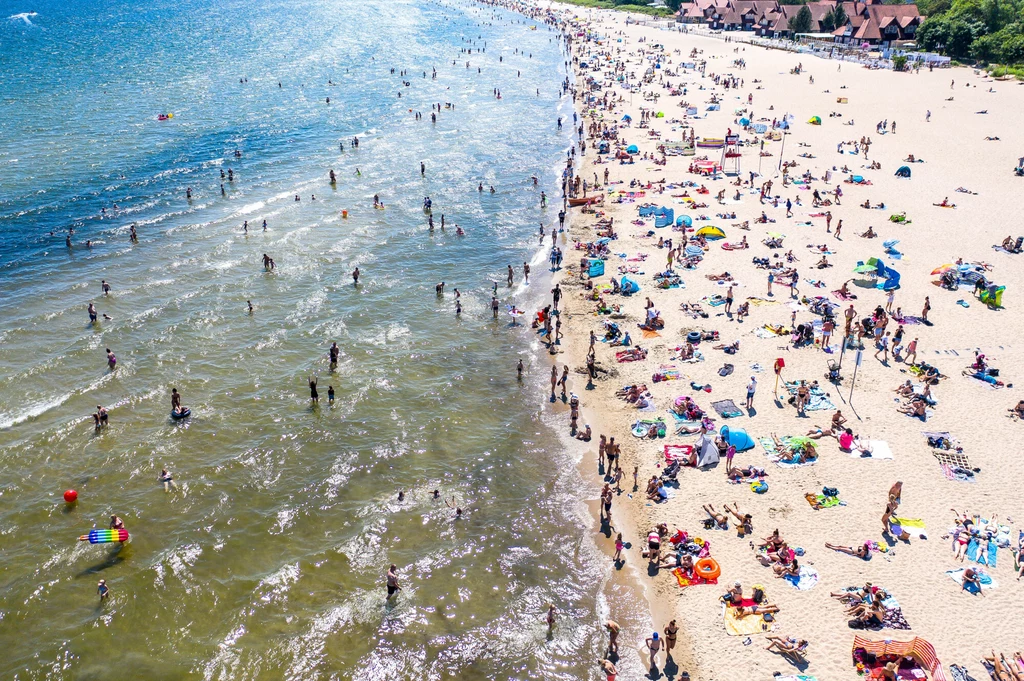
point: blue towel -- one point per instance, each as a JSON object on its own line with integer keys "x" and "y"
{"x": 972, "y": 549}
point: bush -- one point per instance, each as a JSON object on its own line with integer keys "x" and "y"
{"x": 899, "y": 63}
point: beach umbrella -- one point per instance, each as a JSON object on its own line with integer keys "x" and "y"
{"x": 687, "y": 220}
{"x": 865, "y": 269}
{"x": 942, "y": 269}
{"x": 711, "y": 232}
{"x": 776, "y": 235}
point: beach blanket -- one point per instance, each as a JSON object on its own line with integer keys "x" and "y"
{"x": 727, "y": 409}
{"x": 821, "y": 501}
{"x": 773, "y": 453}
{"x": 879, "y": 450}
{"x": 986, "y": 557}
{"x": 955, "y": 466}
{"x": 698, "y": 356}
{"x": 818, "y": 401}
{"x": 806, "y": 580}
{"x": 714, "y": 301}
{"x": 673, "y": 452}
{"x": 746, "y": 626}
{"x": 684, "y": 580}
{"x": 841, "y": 296}
{"x": 986, "y": 580}
{"x": 911, "y": 525}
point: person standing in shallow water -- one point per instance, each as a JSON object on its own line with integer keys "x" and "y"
{"x": 313, "y": 395}
{"x": 392, "y": 581}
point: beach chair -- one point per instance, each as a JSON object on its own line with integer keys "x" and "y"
{"x": 1019, "y": 246}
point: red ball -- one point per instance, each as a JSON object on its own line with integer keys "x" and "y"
{"x": 71, "y": 496}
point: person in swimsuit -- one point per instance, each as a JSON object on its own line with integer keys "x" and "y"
{"x": 103, "y": 590}
{"x": 653, "y": 644}
{"x": 863, "y": 551}
{"x": 167, "y": 478}
{"x": 392, "y": 581}
{"x": 111, "y": 360}
{"x": 313, "y": 395}
{"x": 116, "y": 523}
{"x": 671, "y": 631}
{"x": 92, "y": 312}
{"x": 175, "y": 401}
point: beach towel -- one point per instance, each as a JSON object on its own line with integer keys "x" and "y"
{"x": 986, "y": 580}
{"x": 987, "y": 557}
{"x": 773, "y": 454}
{"x": 746, "y": 626}
{"x": 806, "y": 580}
{"x": 684, "y": 581}
{"x": 879, "y": 450}
{"x": 821, "y": 501}
{"x": 818, "y": 401}
{"x": 727, "y": 409}
{"x": 673, "y": 452}
{"x": 796, "y": 677}
{"x": 911, "y": 525}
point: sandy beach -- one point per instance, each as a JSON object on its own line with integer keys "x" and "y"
{"x": 942, "y": 118}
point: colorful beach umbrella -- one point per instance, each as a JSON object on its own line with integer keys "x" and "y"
{"x": 866, "y": 269}
{"x": 105, "y": 536}
{"x": 942, "y": 269}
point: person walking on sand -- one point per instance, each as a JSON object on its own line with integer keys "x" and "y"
{"x": 926, "y": 308}
{"x": 911, "y": 357}
{"x": 771, "y": 278}
{"x": 889, "y": 300}
{"x": 392, "y": 581}
{"x": 751, "y": 389}
{"x": 671, "y": 631}
{"x": 554, "y": 381}
{"x": 728, "y": 300}
{"x": 613, "y": 635}
{"x": 653, "y": 644}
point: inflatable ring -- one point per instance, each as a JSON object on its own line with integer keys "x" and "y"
{"x": 707, "y": 568}
{"x": 759, "y": 487}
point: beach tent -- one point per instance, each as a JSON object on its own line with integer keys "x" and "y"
{"x": 744, "y": 122}
{"x": 627, "y": 118}
{"x": 760, "y": 128}
{"x": 714, "y": 107}
{"x": 632, "y": 149}
{"x": 629, "y": 286}
{"x": 737, "y": 437}
{"x": 660, "y": 114}
{"x": 710, "y": 232}
{"x": 890, "y": 277}
{"x": 647, "y": 211}
{"x": 707, "y": 451}
{"x": 815, "y": 120}
{"x": 918, "y": 648}
{"x": 903, "y": 171}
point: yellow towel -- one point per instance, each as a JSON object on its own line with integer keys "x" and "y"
{"x": 745, "y": 626}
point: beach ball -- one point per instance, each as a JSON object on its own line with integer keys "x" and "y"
{"x": 71, "y": 496}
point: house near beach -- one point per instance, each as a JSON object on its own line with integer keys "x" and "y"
{"x": 869, "y": 22}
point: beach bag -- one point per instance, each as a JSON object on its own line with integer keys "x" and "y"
{"x": 758, "y": 595}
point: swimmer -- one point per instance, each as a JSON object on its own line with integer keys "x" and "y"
{"x": 458, "y": 510}
{"x": 167, "y": 478}
{"x": 105, "y": 287}
{"x": 111, "y": 360}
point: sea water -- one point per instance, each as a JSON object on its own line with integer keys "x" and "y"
{"x": 268, "y": 560}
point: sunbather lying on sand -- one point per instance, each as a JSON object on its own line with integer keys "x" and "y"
{"x": 756, "y": 610}
{"x": 721, "y": 520}
{"x": 744, "y": 522}
{"x": 863, "y": 551}
{"x": 790, "y": 647}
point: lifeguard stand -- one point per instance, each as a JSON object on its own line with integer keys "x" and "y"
{"x": 731, "y": 156}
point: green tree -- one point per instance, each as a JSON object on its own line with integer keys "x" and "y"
{"x": 674, "y": 5}
{"x": 828, "y": 22}
{"x": 801, "y": 23}
{"x": 839, "y": 15}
